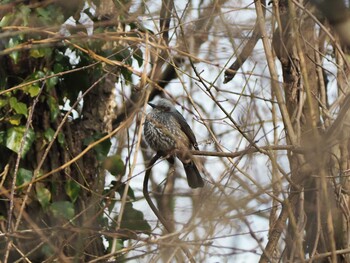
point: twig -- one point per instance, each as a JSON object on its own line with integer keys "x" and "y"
{"x": 246, "y": 51}
{"x": 15, "y": 173}
{"x": 249, "y": 150}
{"x": 154, "y": 208}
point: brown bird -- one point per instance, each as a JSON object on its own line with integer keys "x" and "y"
{"x": 167, "y": 132}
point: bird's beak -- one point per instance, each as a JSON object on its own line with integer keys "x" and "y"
{"x": 151, "y": 104}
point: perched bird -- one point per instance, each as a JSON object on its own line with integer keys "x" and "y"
{"x": 167, "y": 132}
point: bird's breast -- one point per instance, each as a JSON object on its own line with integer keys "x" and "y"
{"x": 163, "y": 133}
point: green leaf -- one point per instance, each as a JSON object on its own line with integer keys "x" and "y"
{"x": 138, "y": 55}
{"x": 61, "y": 139}
{"x": 51, "y": 83}
{"x": 40, "y": 52}
{"x": 48, "y": 134}
{"x": 133, "y": 219}
{"x": 120, "y": 188}
{"x": 47, "y": 250}
{"x": 6, "y": 20}
{"x": 13, "y": 42}
{"x": 119, "y": 245}
{"x": 24, "y": 14}
{"x": 42, "y": 194}
{"x": 33, "y": 90}
{"x": 24, "y": 176}
{"x": 126, "y": 74}
{"x": 15, "y": 119}
{"x": 114, "y": 164}
{"x": 3, "y": 103}
{"x": 72, "y": 190}
{"x": 62, "y": 209}
{"x": 38, "y": 74}
{"x": 54, "y": 108}
{"x": 18, "y": 107}
{"x": 15, "y": 56}
{"x": 58, "y": 68}
{"x": 102, "y": 148}
{"x": 14, "y": 138}
{"x": 44, "y": 12}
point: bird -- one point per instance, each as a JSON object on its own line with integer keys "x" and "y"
{"x": 167, "y": 132}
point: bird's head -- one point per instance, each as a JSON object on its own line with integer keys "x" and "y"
{"x": 163, "y": 105}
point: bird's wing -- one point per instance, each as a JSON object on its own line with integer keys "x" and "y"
{"x": 186, "y": 128}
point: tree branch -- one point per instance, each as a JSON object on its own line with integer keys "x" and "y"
{"x": 154, "y": 208}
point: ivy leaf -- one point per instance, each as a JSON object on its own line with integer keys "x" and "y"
{"x": 120, "y": 188}
{"x": 14, "y": 138}
{"x": 102, "y": 148}
{"x": 24, "y": 14}
{"x": 33, "y": 90}
{"x": 40, "y": 52}
{"x": 54, "y": 108}
{"x": 51, "y": 83}
{"x": 138, "y": 55}
{"x": 6, "y": 20}
{"x": 133, "y": 219}
{"x": 48, "y": 134}
{"x": 42, "y": 194}
{"x": 18, "y": 107}
{"x": 72, "y": 190}
{"x": 61, "y": 139}
{"x": 15, "y": 119}
{"x": 58, "y": 68}
{"x": 62, "y": 209}
{"x": 119, "y": 245}
{"x": 126, "y": 74}
{"x": 24, "y": 176}
{"x": 38, "y": 74}
{"x": 3, "y": 103}
{"x": 114, "y": 164}
{"x": 15, "y": 54}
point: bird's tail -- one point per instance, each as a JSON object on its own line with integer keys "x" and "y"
{"x": 194, "y": 178}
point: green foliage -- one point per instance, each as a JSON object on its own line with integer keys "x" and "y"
{"x": 33, "y": 90}
{"x": 114, "y": 164}
{"x": 62, "y": 210}
{"x": 40, "y": 52}
{"x": 53, "y": 106}
{"x": 18, "y": 107}
{"x": 24, "y": 176}
{"x": 133, "y": 219}
{"x": 14, "y": 137}
{"x": 42, "y": 194}
{"x": 100, "y": 149}
{"x": 12, "y": 44}
{"x": 72, "y": 190}
{"x": 120, "y": 188}
{"x": 49, "y": 133}
{"x": 138, "y": 55}
{"x": 36, "y": 58}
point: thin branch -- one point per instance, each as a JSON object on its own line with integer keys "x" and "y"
{"x": 154, "y": 208}
{"x": 250, "y": 150}
{"x": 230, "y": 73}
{"x": 15, "y": 173}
